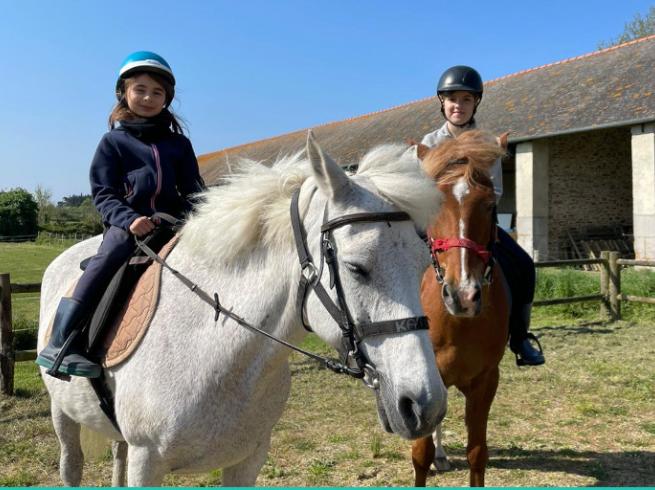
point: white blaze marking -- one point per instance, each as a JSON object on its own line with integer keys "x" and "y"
{"x": 460, "y": 190}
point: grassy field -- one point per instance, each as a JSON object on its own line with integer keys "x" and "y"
{"x": 26, "y": 263}
{"x": 586, "y": 418}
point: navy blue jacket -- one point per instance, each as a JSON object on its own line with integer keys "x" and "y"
{"x": 131, "y": 177}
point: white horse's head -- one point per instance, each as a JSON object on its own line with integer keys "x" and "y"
{"x": 379, "y": 264}
{"x": 245, "y": 225}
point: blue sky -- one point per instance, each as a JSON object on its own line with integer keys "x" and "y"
{"x": 249, "y": 70}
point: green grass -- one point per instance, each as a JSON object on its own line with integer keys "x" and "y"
{"x": 559, "y": 283}
{"x": 583, "y": 419}
{"x": 26, "y": 262}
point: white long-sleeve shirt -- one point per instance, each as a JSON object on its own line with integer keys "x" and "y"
{"x": 435, "y": 138}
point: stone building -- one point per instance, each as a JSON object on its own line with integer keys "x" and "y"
{"x": 582, "y": 145}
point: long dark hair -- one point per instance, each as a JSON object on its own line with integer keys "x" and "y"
{"x": 121, "y": 111}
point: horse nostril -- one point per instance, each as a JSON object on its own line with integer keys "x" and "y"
{"x": 410, "y": 412}
{"x": 476, "y": 296}
{"x": 446, "y": 291}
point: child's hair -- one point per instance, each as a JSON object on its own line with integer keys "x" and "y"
{"x": 121, "y": 111}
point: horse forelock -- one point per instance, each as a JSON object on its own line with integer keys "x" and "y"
{"x": 251, "y": 206}
{"x": 470, "y": 155}
{"x": 396, "y": 172}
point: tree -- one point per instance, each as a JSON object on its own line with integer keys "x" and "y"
{"x": 43, "y": 198}
{"x": 90, "y": 217}
{"x": 73, "y": 201}
{"x": 18, "y": 212}
{"x": 638, "y": 27}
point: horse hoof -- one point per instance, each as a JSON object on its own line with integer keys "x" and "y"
{"x": 441, "y": 464}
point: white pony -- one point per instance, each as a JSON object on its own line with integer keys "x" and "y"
{"x": 200, "y": 394}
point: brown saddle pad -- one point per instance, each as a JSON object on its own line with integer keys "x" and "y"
{"x": 126, "y": 332}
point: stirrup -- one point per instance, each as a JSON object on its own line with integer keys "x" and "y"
{"x": 520, "y": 361}
{"x": 54, "y": 370}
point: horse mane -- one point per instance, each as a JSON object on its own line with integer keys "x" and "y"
{"x": 470, "y": 155}
{"x": 250, "y": 207}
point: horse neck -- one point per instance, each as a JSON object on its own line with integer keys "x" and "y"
{"x": 260, "y": 288}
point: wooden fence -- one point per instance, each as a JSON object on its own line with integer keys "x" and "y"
{"x": 609, "y": 296}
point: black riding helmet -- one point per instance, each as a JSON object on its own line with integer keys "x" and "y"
{"x": 460, "y": 78}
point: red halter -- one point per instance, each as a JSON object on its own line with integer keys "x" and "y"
{"x": 438, "y": 245}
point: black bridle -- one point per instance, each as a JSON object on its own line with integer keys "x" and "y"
{"x": 352, "y": 333}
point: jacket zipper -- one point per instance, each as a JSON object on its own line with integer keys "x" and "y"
{"x": 155, "y": 153}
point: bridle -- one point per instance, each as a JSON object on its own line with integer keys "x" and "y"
{"x": 440, "y": 245}
{"x": 352, "y": 333}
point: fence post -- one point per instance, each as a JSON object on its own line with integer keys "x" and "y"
{"x": 605, "y": 285}
{"x": 6, "y": 338}
{"x": 615, "y": 286}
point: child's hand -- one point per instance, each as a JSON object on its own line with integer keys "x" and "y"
{"x": 141, "y": 226}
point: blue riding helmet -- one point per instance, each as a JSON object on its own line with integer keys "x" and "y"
{"x": 143, "y": 61}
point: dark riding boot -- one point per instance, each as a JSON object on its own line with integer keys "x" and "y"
{"x": 521, "y": 340}
{"x": 68, "y": 319}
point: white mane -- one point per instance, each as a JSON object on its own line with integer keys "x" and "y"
{"x": 251, "y": 207}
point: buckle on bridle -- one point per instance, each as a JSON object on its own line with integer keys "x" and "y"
{"x": 309, "y": 272}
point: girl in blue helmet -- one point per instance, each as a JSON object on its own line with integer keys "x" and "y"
{"x": 460, "y": 91}
{"x": 143, "y": 165}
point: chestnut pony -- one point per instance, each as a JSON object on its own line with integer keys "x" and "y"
{"x": 464, "y": 295}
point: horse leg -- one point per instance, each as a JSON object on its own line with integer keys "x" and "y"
{"x": 119, "y": 450}
{"x": 71, "y": 458}
{"x": 145, "y": 468}
{"x": 479, "y": 397}
{"x": 244, "y": 473}
{"x": 440, "y": 458}
{"x": 422, "y": 456}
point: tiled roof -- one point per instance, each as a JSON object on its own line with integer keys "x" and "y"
{"x": 611, "y": 87}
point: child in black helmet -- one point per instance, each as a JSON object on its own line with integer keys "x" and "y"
{"x": 460, "y": 91}
{"x": 143, "y": 165}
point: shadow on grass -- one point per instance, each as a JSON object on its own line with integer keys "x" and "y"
{"x": 595, "y": 327}
{"x": 610, "y": 469}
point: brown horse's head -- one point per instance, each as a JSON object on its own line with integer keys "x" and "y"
{"x": 463, "y": 231}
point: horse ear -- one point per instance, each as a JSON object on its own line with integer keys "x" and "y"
{"x": 329, "y": 176}
{"x": 421, "y": 151}
{"x": 502, "y": 140}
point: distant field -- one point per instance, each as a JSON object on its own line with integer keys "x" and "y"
{"x": 26, "y": 263}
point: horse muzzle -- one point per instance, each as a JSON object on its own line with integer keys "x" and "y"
{"x": 464, "y": 300}
{"x": 411, "y": 416}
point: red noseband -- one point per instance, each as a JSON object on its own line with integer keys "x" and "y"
{"x": 438, "y": 245}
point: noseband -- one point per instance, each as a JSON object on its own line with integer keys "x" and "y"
{"x": 352, "y": 333}
{"x": 439, "y": 245}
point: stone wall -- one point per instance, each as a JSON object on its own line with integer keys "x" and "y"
{"x": 590, "y": 183}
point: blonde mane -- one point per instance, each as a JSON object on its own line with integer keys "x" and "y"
{"x": 251, "y": 206}
{"x": 470, "y": 155}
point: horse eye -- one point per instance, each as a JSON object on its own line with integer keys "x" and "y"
{"x": 356, "y": 269}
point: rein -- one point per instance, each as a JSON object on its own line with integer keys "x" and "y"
{"x": 310, "y": 277}
{"x": 215, "y": 303}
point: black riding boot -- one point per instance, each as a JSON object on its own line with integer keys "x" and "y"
{"x": 520, "y": 339}
{"x": 68, "y": 318}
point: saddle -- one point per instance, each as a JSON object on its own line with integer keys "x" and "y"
{"x": 123, "y": 315}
